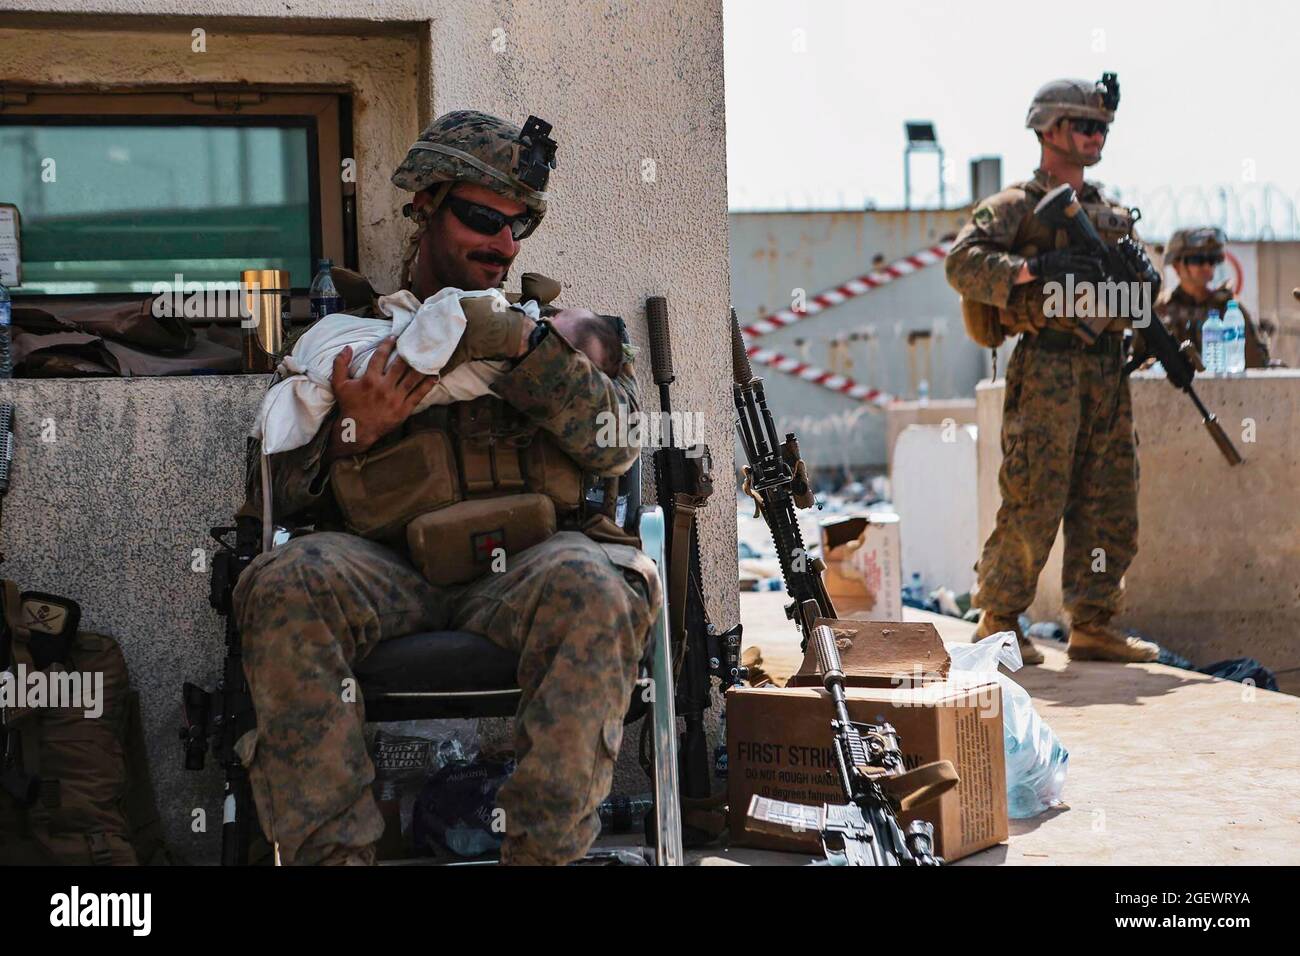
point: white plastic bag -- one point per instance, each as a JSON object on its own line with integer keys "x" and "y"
{"x": 1036, "y": 759}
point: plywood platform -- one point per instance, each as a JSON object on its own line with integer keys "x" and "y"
{"x": 1166, "y": 766}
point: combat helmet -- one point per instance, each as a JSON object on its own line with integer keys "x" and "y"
{"x": 1073, "y": 99}
{"x": 473, "y": 147}
{"x": 1203, "y": 240}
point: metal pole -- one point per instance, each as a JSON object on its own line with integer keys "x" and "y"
{"x": 907, "y": 177}
{"x": 942, "y": 203}
{"x": 668, "y": 810}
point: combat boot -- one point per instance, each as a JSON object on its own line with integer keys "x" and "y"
{"x": 1101, "y": 642}
{"x": 991, "y": 624}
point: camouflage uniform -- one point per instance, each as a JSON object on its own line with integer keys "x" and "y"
{"x": 577, "y": 612}
{"x": 1183, "y": 315}
{"x": 1067, "y": 428}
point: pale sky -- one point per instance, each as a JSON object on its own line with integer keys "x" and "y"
{"x": 818, "y": 90}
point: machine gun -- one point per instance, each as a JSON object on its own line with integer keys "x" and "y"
{"x": 864, "y": 831}
{"x": 225, "y": 714}
{"x": 683, "y": 484}
{"x": 1126, "y": 262}
{"x": 777, "y": 480}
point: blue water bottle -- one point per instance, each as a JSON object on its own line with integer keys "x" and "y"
{"x": 6, "y": 321}
{"x": 1234, "y": 339}
{"x": 1212, "y": 344}
{"x": 325, "y": 298}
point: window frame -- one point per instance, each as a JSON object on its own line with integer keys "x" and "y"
{"x": 324, "y": 112}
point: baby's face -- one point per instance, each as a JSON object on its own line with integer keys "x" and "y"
{"x": 572, "y": 324}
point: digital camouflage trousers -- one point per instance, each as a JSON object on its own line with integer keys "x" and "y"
{"x": 1069, "y": 454}
{"x": 575, "y": 611}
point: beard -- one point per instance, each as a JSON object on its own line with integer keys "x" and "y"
{"x": 440, "y": 270}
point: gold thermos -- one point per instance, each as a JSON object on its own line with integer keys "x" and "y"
{"x": 266, "y": 319}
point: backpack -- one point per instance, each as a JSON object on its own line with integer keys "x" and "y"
{"x": 76, "y": 788}
{"x": 983, "y": 323}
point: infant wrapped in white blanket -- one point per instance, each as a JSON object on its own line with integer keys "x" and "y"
{"x": 427, "y": 333}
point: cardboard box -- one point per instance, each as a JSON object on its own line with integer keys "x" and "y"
{"x": 864, "y": 572}
{"x": 779, "y": 746}
{"x": 880, "y": 654}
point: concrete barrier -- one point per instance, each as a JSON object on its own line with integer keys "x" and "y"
{"x": 1217, "y": 573}
{"x": 935, "y": 495}
{"x": 899, "y": 415}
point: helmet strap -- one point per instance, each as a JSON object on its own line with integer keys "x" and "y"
{"x": 422, "y": 218}
{"x": 1071, "y": 154}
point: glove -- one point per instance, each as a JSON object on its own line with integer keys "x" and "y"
{"x": 1059, "y": 263}
{"x": 492, "y": 333}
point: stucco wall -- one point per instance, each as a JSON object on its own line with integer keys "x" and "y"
{"x": 1217, "y": 573}
{"x": 635, "y": 92}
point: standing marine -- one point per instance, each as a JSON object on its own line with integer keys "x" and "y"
{"x": 1067, "y": 429}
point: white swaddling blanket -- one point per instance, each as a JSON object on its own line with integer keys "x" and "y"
{"x": 294, "y": 408}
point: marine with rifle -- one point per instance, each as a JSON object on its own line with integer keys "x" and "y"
{"x": 1067, "y": 430}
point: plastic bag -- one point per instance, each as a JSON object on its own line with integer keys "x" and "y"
{"x": 457, "y": 808}
{"x": 406, "y": 753}
{"x": 1037, "y": 761}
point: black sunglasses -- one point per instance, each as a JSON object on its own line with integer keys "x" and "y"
{"x": 487, "y": 221}
{"x": 1089, "y": 126}
{"x": 1202, "y": 260}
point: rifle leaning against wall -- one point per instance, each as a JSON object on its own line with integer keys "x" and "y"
{"x": 225, "y": 714}
{"x": 1126, "y": 262}
{"x": 777, "y": 479}
{"x": 683, "y": 485}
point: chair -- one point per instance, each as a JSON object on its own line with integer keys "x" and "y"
{"x": 456, "y": 674}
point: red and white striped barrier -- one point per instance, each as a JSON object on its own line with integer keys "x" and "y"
{"x": 850, "y": 290}
{"x": 818, "y": 376}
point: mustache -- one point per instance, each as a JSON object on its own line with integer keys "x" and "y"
{"x": 491, "y": 258}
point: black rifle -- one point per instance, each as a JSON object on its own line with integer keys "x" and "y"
{"x": 683, "y": 485}
{"x": 226, "y": 713}
{"x": 1126, "y": 262}
{"x": 864, "y": 831}
{"x": 777, "y": 480}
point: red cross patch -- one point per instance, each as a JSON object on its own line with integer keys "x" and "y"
{"x": 485, "y": 542}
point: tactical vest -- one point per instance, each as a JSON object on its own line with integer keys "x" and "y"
{"x": 1112, "y": 221}
{"x": 462, "y": 483}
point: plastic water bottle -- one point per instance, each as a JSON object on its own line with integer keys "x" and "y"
{"x": 1036, "y": 768}
{"x": 1234, "y": 339}
{"x": 325, "y": 298}
{"x": 1212, "y": 344}
{"x": 6, "y": 321}
{"x": 914, "y": 592}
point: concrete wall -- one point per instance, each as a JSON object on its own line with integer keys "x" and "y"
{"x": 1217, "y": 573}
{"x": 899, "y": 415}
{"x": 111, "y": 512}
{"x": 774, "y": 253}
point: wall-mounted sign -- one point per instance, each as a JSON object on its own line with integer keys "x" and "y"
{"x": 11, "y": 258}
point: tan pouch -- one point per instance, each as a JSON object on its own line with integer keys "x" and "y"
{"x": 983, "y": 323}
{"x": 553, "y": 473}
{"x": 456, "y": 545}
{"x": 380, "y": 491}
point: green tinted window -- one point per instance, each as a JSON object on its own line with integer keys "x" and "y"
{"x": 117, "y": 208}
